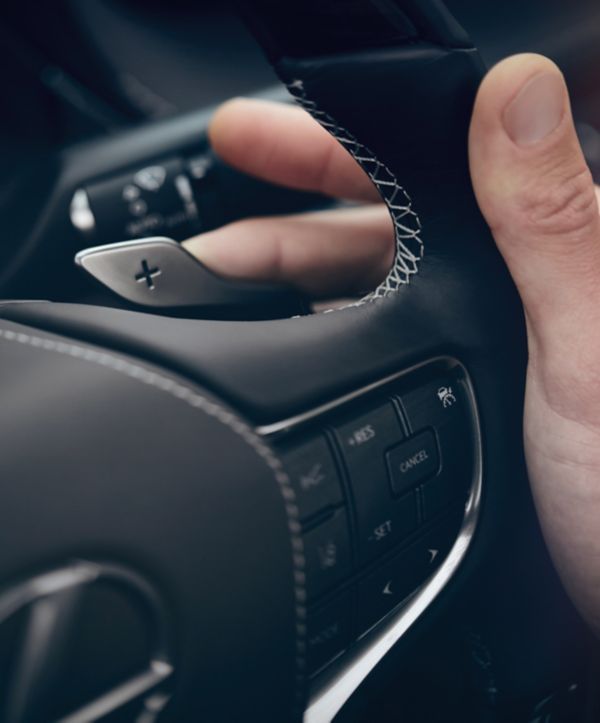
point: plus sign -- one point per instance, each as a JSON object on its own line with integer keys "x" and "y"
{"x": 147, "y": 274}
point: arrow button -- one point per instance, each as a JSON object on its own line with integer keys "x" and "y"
{"x": 387, "y": 587}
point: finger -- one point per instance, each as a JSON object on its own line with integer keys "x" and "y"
{"x": 537, "y": 194}
{"x": 343, "y": 251}
{"x": 284, "y": 145}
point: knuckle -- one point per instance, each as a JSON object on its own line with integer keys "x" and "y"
{"x": 567, "y": 207}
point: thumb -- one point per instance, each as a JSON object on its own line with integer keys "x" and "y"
{"x": 537, "y": 195}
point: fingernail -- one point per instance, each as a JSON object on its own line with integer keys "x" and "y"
{"x": 536, "y": 110}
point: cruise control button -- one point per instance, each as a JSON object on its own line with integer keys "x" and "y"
{"x": 443, "y": 405}
{"x": 397, "y": 520}
{"x": 329, "y": 631}
{"x": 387, "y": 587}
{"x": 314, "y": 477}
{"x": 382, "y": 520}
{"x": 366, "y": 435}
{"x": 328, "y": 554}
{"x": 412, "y": 462}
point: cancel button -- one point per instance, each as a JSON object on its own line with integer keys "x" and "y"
{"x": 412, "y": 462}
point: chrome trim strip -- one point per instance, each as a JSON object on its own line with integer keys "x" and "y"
{"x": 328, "y": 699}
{"x": 118, "y": 697}
{"x": 78, "y": 574}
{"x": 82, "y": 255}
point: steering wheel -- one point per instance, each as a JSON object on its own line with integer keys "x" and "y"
{"x": 242, "y": 520}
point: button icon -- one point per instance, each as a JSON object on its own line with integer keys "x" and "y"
{"x": 446, "y": 397}
{"x": 361, "y": 435}
{"x": 138, "y": 207}
{"x": 130, "y": 192}
{"x": 325, "y": 635}
{"x": 151, "y": 178}
{"x": 381, "y": 531}
{"x": 147, "y": 275}
{"x": 328, "y": 555}
{"x": 312, "y": 478}
{"x": 412, "y": 462}
{"x": 387, "y": 590}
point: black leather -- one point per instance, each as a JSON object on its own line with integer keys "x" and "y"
{"x": 271, "y": 370}
{"x": 107, "y": 458}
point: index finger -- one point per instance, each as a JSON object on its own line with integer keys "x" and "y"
{"x": 284, "y": 145}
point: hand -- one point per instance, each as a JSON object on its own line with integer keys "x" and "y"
{"x": 537, "y": 195}
{"x": 328, "y": 253}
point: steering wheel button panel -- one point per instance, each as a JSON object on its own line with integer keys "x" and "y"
{"x": 387, "y": 480}
{"x": 412, "y": 462}
{"x": 314, "y": 477}
{"x": 330, "y": 631}
{"x": 439, "y": 493}
{"x": 328, "y": 554}
{"x": 385, "y": 589}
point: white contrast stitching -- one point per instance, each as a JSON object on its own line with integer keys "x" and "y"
{"x": 407, "y": 225}
{"x": 227, "y": 418}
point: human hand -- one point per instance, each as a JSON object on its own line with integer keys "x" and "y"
{"x": 538, "y": 197}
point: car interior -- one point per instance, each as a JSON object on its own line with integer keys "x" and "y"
{"x": 224, "y": 502}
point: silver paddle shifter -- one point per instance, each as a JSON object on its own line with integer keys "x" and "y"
{"x": 158, "y": 272}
